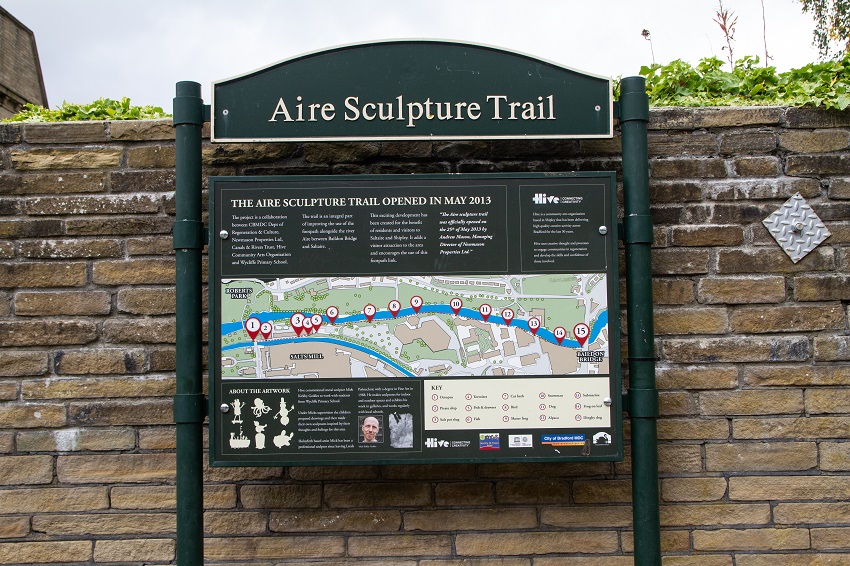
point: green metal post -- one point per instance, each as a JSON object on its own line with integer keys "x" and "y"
{"x": 189, "y": 402}
{"x": 643, "y": 395}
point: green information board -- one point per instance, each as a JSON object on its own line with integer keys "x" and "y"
{"x": 402, "y": 90}
{"x": 418, "y": 318}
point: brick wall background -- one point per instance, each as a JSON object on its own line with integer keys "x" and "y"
{"x": 754, "y": 367}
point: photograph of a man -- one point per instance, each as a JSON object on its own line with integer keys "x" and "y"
{"x": 371, "y": 429}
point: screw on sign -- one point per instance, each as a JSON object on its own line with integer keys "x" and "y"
{"x": 252, "y": 327}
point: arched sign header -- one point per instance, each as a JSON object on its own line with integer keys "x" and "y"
{"x": 412, "y": 90}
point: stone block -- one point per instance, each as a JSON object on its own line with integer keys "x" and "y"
{"x": 789, "y": 428}
{"x": 151, "y": 157}
{"x": 279, "y": 547}
{"x": 761, "y": 457}
{"x": 317, "y": 521}
{"x": 115, "y": 468}
{"x": 792, "y": 318}
{"x": 741, "y": 290}
{"x": 68, "y": 303}
{"x": 134, "y": 272}
{"x": 20, "y": 363}
{"x": 826, "y": 287}
{"x": 755, "y": 349}
{"x": 25, "y": 470}
{"x": 751, "y": 539}
{"x": 121, "y": 412}
{"x": 711, "y": 235}
{"x": 29, "y": 501}
{"x": 714, "y": 515}
{"x": 32, "y": 415}
{"x": 694, "y": 489}
{"x": 153, "y": 181}
{"x": 389, "y": 494}
{"x": 45, "y": 552}
{"x": 147, "y": 301}
{"x": 50, "y": 332}
{"x": 671, "y": 321}
{"x": 535, "y": 543}
{"x": 70, "y": 249}
{"x": 135, "y": 550}
{"x": 790, "y": 488}
{"x": 297, "y": 496}
{"x": 77, "y": 158}
{"x": 532, "y": 492}
{"x": 65, "y": 132}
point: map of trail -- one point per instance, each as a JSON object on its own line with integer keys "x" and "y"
{"x": 415, "y": 326}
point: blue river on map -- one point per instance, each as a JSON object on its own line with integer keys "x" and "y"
{"x": 230, "y": 327}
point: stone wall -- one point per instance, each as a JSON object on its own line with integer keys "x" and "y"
{"x": 754, "y": 364}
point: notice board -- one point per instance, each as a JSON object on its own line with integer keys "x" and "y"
{"x": 414, "y": 318}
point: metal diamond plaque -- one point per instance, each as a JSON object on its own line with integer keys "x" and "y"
{"x": 796, "y": 227}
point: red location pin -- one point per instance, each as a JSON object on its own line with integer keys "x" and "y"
{"x": 308, "y": 325}
{"x": 416, "y": 303}
{"x": 316, "y": 319}
{"x": 252, "y": 327}
{"x": 560, "y": 333}
{"x": 297, "y": 322}
{"x": 266, "y": 329}
{"x": 507, "y": 316}
{"x": 581, "y": 331}
{"x": 455, "y": 304}
{"x": 534, "y": 325}
{"x": 485, "y": 311}
{"x": 332, "y": 313}
{"x": 369, "y": 311}
{"x": 394, "y": 307}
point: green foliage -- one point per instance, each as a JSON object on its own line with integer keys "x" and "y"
{"x": 832, "y": 25}
{"x": 100, "y": 109}
{"x": 825, "y": 84}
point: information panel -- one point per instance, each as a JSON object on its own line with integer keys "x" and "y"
{"x": 439, "y": 318}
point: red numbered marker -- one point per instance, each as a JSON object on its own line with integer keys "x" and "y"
{"x": 507, "y": 316}
{"x": 534, "y": 325}
{"x": 266, "y": 329}
{"x": 560, "y": 333}
{"x": 456, "y": 304}
{"x": 316, "y": 319}
{"x": 369, "y": 311}
{"x": 297, "y": 322}
{"x": 394, "y": 307}
{"x": 581, "y": 331}
{"x": 332, "y": 313}
{"x": 252, "y": 327}
{"x": 485, "y": 311}
{"x": 416, "y": 303}
{"x": 308, "y": 325}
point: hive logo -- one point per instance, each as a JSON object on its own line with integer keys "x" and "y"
{"x": 543, "y": 198}
{"x": 436, "y": 443}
